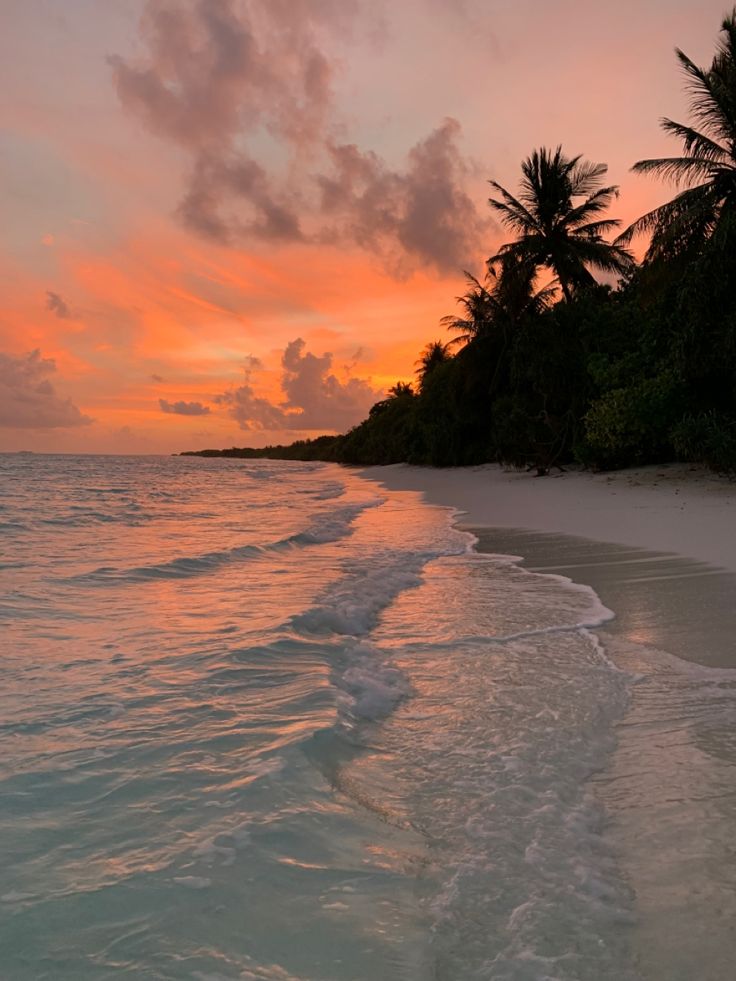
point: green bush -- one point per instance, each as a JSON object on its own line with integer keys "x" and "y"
{"x": 710, "y": 438}
{"x": 632, "y": 425}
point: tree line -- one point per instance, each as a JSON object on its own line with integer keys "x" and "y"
{"x": 545, "y": 364}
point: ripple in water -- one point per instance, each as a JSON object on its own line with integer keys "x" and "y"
{"x": 303, "y": 732}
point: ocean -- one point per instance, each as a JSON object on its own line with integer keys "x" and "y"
{"x": 268, "y": 720}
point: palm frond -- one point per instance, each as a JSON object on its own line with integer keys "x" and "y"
{"x": 513, "y": 213}
{"x": 596, "y": 229}
{"x": 708, "y": 104}
{"x": 594, "y": 205}
{"x": 695, "y": 143}
{"x": 677, "y": 170}
{"x": 675, "y": 213}
{"x": 526, "y": 249}
{"x": 707, "y": 169}
{"x": 586, "y": 177}
{"x": 545, "y": 296}
{"x": 432, "y": 356}
{"x": 478, "y": 305}
{"x": 604, "y": 256}
{"x": 556, "y": 230}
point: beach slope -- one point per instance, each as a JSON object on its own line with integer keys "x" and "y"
{"x": 671, "y": 508}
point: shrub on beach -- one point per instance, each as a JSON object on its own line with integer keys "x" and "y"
{"x": 629, "y": 426}
{"x": 710, "y": 438}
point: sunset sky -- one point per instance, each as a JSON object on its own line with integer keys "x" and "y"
{"x": 235, "y": 222}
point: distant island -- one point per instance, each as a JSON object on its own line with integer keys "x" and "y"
{"x": 547, "y": 365}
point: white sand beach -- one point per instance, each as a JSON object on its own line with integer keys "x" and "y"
{"x": 670, "y": 508}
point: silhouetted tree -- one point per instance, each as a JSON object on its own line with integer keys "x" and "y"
{"x": 401, "y": 390}
{"x": 507, "y": 297}
{"x": 708, "y": 166}
{"x": 478, "y": 312}
{"x": 433, "y": 355}
{"x": 554, "y": 230}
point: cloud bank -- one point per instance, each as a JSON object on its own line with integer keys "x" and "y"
{"x": 28, "y": 400}
{"x": 314, "y": 397}
{"x": 238, "y": 84}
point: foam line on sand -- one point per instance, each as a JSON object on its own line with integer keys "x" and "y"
{"x": 671, "y": 508}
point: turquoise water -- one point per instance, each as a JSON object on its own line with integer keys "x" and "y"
{"x": 269, "y": 721}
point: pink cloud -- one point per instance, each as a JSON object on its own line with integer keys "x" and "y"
{"x": 313, "y": 397}
{"x": 28, "y": 400}
{"x": 220, "y": 79}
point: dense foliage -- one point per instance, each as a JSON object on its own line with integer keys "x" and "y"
{"x": 543, "y": 371}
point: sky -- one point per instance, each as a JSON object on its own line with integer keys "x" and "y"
{"x": 237, "y": 222}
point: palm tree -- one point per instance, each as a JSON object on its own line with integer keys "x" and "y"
{"x": 508, "y": 296}
{"x": 515, "y": 292}
{"x": 478, "y": 312}
{"x": 434, "y": 354}
{"x": 556, "y": 231}
{"x": 708, "y": 167}
{"x": 401, "y": 390}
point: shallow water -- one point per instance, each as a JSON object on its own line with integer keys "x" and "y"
{"x": 669, "y": 790}
{"x": 266, "y": 720}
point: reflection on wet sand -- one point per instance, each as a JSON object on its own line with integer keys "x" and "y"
{"x": 670, "y": 789}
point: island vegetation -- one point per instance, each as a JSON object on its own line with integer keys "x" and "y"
{"x": 546, "y": 361}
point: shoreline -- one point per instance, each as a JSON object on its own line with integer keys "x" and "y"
{"x": 666, "y": 808}
{"x": 673, "y": 508}
{"x": 653, "y": 543}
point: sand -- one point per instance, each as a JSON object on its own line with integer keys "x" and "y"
{"x": 658, "y": 544}
{"x": 672, "y": 508}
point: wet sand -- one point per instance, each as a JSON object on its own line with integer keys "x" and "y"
{"x": 662, "y": 600}
{"x": 658, "y": 546}
{"x": 669, "y": 793}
